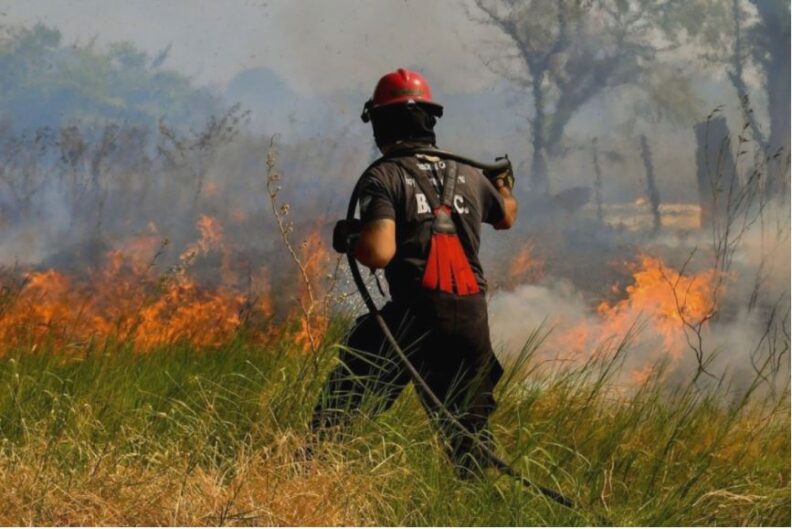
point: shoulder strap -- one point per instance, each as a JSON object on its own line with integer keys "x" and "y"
{"x": 410, "y": 165}
{"x": 449, "y": 183}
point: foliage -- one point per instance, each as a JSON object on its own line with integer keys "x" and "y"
{"x": 46, "y": 82}
{"x": 749, "y": 40}
{"x": 569, "y": 52}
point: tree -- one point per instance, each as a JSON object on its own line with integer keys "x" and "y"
{"x": 46, "y": 82}
{"x": 750, "y": 39}
{"x": 567, "y": 52}
{"x": 769, "y": 48}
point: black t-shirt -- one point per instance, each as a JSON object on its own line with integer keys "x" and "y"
{"x": 389, "y": 191}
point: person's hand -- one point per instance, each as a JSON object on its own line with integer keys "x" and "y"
{"x": 346, "y": 234}
{"x": 502, "y": 177}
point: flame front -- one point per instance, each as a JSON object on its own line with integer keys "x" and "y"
{"x": 127, "y": 300}
{"x": 661, "y": 304}
{"x": 315, "y": 261}
{"x": 525, "y": 267}
{"x": 669, "y": 299}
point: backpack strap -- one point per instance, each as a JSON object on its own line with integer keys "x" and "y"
{"x": 410, "y": 165}
{"x": 447, "y": 267}
{"x": 449, "y": 183}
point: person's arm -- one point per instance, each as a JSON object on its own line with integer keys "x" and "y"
{"x": 509, "y": 208}
{"x": 377, "y": 243}
{"x": 499, "y": 206}
{"x": 374, "y": 242}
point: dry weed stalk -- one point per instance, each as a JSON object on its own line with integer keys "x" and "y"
{"x": 739, "y": 206}
{"x": 314, "y": 306}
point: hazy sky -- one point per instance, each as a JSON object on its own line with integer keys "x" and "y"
{"x": 316, "y": 46}
{"x": 319, "y": 47}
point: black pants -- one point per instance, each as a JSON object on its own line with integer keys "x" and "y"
{"x": 446, "y": 337}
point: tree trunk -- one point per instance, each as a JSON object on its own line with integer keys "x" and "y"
{"x": 597, "y": 179}
{"x": 651, "y": 184}
{"x": 737, "y": 78}
{"x": 778, "y": 89}
{"x": 539, "y": 177}
{"x": 716, "y": 173}
{"x": 775, "y": 44}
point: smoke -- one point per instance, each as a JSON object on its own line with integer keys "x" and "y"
{"x": 487, "y": 114}
{"x": 745, "y": 338}
{"x": 515, "y": 315}
{"x": 65, "y": 209}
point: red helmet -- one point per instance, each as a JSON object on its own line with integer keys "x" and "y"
{"x": 401, "y": 87}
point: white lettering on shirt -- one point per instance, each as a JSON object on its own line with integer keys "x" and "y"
{"x": 459, "y": 205}
{"x": 440, "y": 165}
{"x": 423, "y": 204}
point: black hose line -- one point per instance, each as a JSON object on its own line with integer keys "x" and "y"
{"x": 500, "y": 163}
{"x": 416, "y": 377}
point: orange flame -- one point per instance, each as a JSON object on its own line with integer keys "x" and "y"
{"x": 663, "y": 299}
{"x": 668, "y": 298}
{"x": 126, "y": 300}
{"x": 525, "y": 267}
{"x": 315, "y": 259}
{"x": 211, "y": 238}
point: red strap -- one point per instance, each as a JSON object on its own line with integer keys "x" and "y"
{"x": 464, "y": 278}
{"x": 447, "y": 267}
{"x": 444, "y": 261}
{"x": 460, "y": 265}
{"x": 431, "y": 271}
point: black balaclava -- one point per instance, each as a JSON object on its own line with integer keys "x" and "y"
{"x": 412, "y": 123}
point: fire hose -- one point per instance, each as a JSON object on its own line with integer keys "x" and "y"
{"x": 500, "y": 165}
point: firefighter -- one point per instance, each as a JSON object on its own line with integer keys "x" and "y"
{"x": 421, "y": 219}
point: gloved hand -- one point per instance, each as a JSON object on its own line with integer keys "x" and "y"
{"x": 501, "y": 178}
{"x": 346, "y": 234}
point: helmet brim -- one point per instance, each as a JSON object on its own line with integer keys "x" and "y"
{"x": 433, "y": 108}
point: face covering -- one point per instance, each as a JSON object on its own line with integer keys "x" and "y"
{"x": 394, "y": 123}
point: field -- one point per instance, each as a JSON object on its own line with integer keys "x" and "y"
{"x": 171, "y": 304}
{"x": 153, "y": 381}
{"x": 205, "y": 436}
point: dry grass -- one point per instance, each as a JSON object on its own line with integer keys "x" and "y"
{"x": 265, "y": 488}
{"x": 186, "y": 437}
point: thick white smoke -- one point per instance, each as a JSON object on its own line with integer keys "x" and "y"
{"x": 748, "y": 335}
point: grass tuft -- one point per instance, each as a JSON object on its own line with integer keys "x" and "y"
{"x": 191, "y": 436}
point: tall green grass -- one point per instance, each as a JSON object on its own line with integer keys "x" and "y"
{"x": 185, "y": 436}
